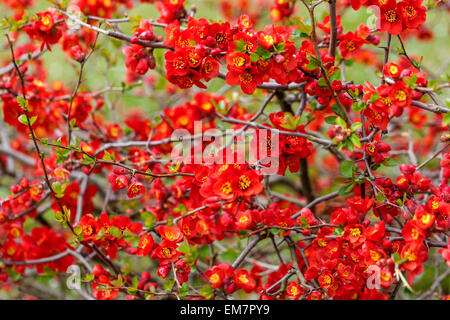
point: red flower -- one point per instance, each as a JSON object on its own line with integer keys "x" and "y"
{"x": 219, "y": 274}
{"x": 44, "y": 28}
{"x": 415, "y": 254}
{"x": 166, "y": 253}
{"x": 135, "y": 188}
{"x": 243, "y": 220}
{"x": 45, "y": 21}
{"x": 118, "y": 181}
{"x": 355, "y": 234}
{"x": 210, "y": 68}
{"x": 138, "y": 60}
{"x": 360, "y": 204}
{"x": 392, "y": 70}
{"x": 176, "y": 63}
{"x": 391, "y": 18}
{"x": 244, "y": 280}
{"x": 377, "y": 232}
{"x": 350, "y": 45}
{"x": 89, "y": 227}
{"x": 247, "y": 79}
{"x": 326, "y": 280}
{"x": 377, "y": 116}
{"x": 145, "y": 245}
{"x": 423, "y": 218}
{"x": 371, "y": 149}
{"x": 294, "y": 290}
{"x": 411, "y": 232}
{"x": 170, "y": 234}
{"x": 413, "y": 13}
{"x": 400, "y": 94}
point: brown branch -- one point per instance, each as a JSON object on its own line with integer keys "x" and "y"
{"x": 333, "y": 29}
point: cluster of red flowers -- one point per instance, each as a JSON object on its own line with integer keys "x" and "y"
{"x": 100, "y": 8}
{"x": 224, "y": 276}
{"x": 290, "y": 149}
{"x": 120, "y": 179}
{"x": 24, "y": 195}
{"x": 39, "y": 93}
{"x": 139, "y": 59}
{"x": 351, "y": 43}
{"x": 255, "y": 57}
{"x": 108, "y": 233}
{"x": 281, "y": 9}
{"x": 42, "y": 242}
{"x": 196, "y": 50}
{"x": 396, "y": 17}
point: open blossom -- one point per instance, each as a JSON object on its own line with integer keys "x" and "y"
{"x": 44, "y": 28}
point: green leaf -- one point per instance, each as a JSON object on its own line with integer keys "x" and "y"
{"x": 13, "y": 274}
{"x": 77, "y": 230}
{"x": 184, "y": 290}
{"x": 322, "y": 82}
{"x": 432, "y": 84}
{"x": 314, "y": 63}
{"x": 358, "y": 106}
{"x": 396, "y": 257}
{"x": 87, "y": 160}
{"x": 446, "y": 119}
{"x": 355, "y": 140}
{"x": 275, "y": 231}
{"x": 109, "y": 156}
{"x": 89, "y": 277}
{"x": 304, "y": 222}
{"x": 335, "y": 76}
{"x": 149, "y": 219}
{"x": 118, "y": 282}
{"x": 33, "y": 120}
{"x": 72, "y": 122}
{"x": 132, "y": 290}
{"x": 207, "y": 291}
{"x": 340, "y": 122}
{"x": 280, "y": 47}
{"x": 240, "y": 45}
{"x": 355, "y": 126}
{"x": 337, "y": 111}
{"x": 23, "y": 119}
{"x": 263, "y": 53}
{"x": 23, "y": 103}
{"x": 390, "y": 162}
{"x": 380, "y": 198}
{"x": 347, "y": 168}
{"x": 347, "y": 189}
{"x": 254, "y": 57}
{"x": 115, "y": 232}
{"x": 349, "y": 145}
{"x": 302, "y": 27}
{"x": 167, "y": 286}
{"x": 374, "y": 97}
{"x": 331, "y": 120}
{"x": 411, "y": 82}
{"x": 338, "y": 231}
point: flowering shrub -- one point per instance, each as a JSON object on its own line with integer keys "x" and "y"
{"x": 275, "y": 152}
